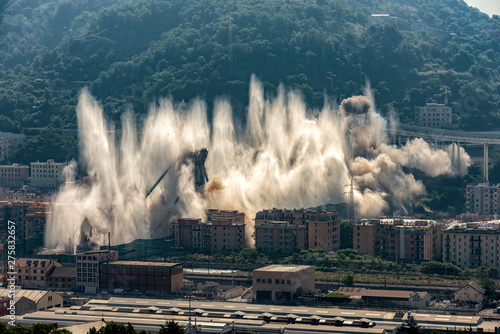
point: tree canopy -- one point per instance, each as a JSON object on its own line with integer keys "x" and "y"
{"x": 131, "y": 53}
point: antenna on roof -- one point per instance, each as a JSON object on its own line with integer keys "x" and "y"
{"x": 446, "y": 92}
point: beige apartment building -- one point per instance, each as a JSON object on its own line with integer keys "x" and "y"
{"x": 472, "y": 245}
{"x": 47, "y": 174}
{"x": 282, "y": 282}
{"x": 34, "y": 273}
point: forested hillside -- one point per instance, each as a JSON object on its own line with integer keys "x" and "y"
{"x": 130, "y": 53}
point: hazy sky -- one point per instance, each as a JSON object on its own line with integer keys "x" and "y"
{"x": 489, "y": 7}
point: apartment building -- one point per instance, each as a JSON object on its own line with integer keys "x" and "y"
{"x": 433, "y": 115}
{"x": 482, "y": 199}
{"x": 14, "y": 175}
{"x": 47, "y": 174}
{"x": 472, "y": 245}
{"x": 224, "y": 230}
{"x": 29, "y": 217}
{"x": 35, "y": 273}
{"x": 398, "y": 238}
{"x": 227, "y": 229}
{"x": 87, "y": 268}
{"x": 280, "y": 237}
{"x": 25, "y": 195}
{"x": 322, "y": 227}
{"x": 4, "y": 149}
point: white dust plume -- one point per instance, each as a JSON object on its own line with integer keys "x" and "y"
{"x": 285, "y": 156}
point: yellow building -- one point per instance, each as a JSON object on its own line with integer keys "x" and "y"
{"x": 471, "y": 293}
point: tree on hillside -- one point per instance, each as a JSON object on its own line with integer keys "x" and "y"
{"x": 348, "y": 280}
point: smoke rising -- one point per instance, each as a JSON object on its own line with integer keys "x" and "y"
{"x": 285, "y": 157}
{"x": 356, "y": 105}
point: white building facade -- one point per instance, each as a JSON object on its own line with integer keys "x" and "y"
{"x": 47, "y": 174}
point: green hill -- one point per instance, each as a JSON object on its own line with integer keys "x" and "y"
{"x": 130, "y": 53}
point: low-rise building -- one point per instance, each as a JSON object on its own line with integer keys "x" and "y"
{"x": 63, "y": 278}
{"x": 385, "y": 19}
{"x": 4, "y": 305}
{"x": 34, "y": 273}
{"x": 87, "y": 268}
{"x": 43, "y": 299}
{"x": 47, "y": 174}
{"x": 470, "y": 293}
{"x": 283, "y": 283}
{"x": 494, "y": 35}
{"x": 384, "y": 298}
{"x": 434, "y": 115}
{"x": 471, "y": 245}
{"x": 141, "y": 276}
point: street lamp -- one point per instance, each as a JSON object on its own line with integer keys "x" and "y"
{"x": 189, "y": 297}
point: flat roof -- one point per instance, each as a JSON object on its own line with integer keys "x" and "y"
{"x": 283, "y": 268}
{"x": 143, "y": 263}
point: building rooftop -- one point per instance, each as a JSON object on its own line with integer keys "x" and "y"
{"x": 65, "y": 272}
{"x": 34, "y": 295}
{"x": 280, "y": 224}
{"x": 143, "y": 263}
{"x": 363, "y": 292}
{"x": 282, "y": 268}
{"x": 39, "y": 263}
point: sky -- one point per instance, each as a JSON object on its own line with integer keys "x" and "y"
{"x": 489, "y": 7}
